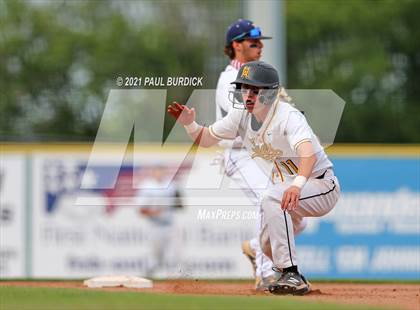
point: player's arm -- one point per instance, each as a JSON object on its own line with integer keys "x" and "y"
{"x": 200, "y": 134}
{"x": 299, "y": 137}
{"x": 307, "y": 158}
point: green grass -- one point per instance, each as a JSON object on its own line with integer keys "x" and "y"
{"x": 367, "y": 281}
{"x": 247, "y": 280}
{"x": 66, "y": 298}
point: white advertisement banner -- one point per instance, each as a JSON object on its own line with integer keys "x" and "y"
{"x": 12, "y": 221}
{"x": 174, "y": 216}
{"x": 122, "y": 230}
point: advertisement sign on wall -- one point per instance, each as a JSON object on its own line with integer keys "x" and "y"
{"x": 12, "y": 224}
{"x": 374, "y": 231}
{"x": 76, "y": 231}
{"x": 119, "y": 234}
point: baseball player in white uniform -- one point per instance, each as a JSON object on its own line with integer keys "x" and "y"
{"x": 159, "y": 206}
{"x": 279, "y": 138}
{"x": 243, "y": 44}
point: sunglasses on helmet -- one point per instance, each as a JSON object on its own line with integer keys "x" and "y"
{"x": 253, "y": 33}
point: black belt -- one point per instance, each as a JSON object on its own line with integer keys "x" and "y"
{"x": 320, "y": 177}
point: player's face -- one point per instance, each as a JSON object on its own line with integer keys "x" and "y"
{"x": 252, "y": 49}
{"x": 250, "y": 98}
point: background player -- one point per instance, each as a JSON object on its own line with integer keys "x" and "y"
{"x": 243, "y": 44}
{"x": 275, "y": 133}
{"x": 159, "y": 204}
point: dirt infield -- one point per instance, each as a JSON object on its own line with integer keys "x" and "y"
{"x": 400, "y": 296}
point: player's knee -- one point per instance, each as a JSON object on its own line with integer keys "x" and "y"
{"x": 299, "y": 226}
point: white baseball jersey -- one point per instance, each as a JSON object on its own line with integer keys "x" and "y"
{"x": 163, "y": 234}
{"x": 223, "y": 87}
{"x": 275, "y": 142}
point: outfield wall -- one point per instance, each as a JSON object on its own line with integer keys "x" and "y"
{"x": 50, "y": 227}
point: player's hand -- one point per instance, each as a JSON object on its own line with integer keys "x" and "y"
{"x": 290, "y": 199}
{"x": 182, "y": 113}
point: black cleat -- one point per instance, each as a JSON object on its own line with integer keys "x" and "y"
{"x": 290, "y": 283}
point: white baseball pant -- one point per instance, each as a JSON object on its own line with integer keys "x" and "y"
{"x": 244, "y": 171}
{"x": 318, "y": 197}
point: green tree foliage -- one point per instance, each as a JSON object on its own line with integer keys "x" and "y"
{"x": 368, "y": 52}
{"x": 58, "y": 60}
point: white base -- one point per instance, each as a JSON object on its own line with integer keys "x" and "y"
{"x": 115, "y": 281}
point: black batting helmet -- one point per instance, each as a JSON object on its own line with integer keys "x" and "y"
{"x": 258, "y": 74}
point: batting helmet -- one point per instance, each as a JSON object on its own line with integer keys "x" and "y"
{"x": 258, "y": 74}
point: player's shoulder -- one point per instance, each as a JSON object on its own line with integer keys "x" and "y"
{"x": 286, "y": 107}
{"x": 235, "y": 116}
{"x": 229, "y": 69}
{"x": 283, "y": 110}
{"x": 283, "y": 114}
{"x": 237, "y": 113}
{"x": 228, "y": 75}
